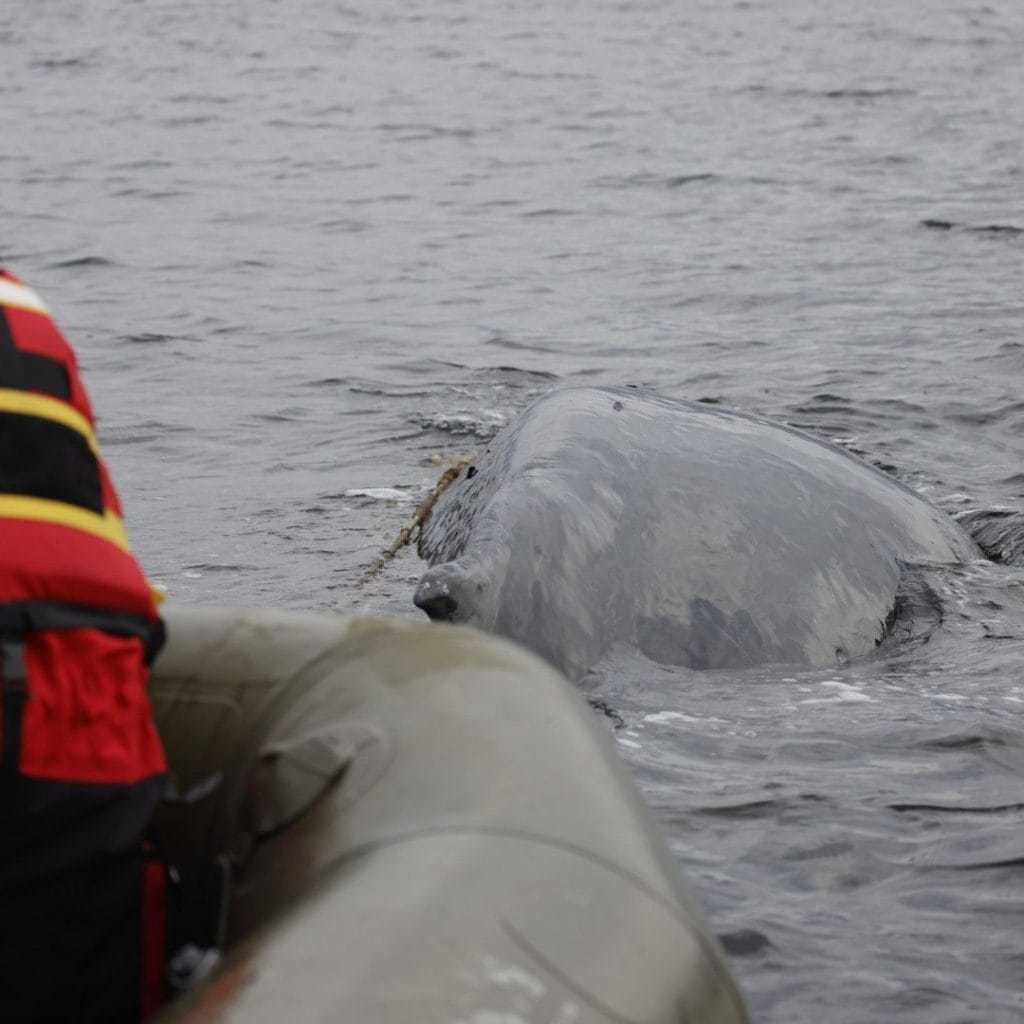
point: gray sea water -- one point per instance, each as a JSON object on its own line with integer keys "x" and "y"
{"x": 308, "y": 250}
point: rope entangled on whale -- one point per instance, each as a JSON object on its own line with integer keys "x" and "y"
{"x": 411, "y": 532}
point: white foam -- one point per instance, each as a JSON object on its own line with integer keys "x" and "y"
{"x": 665, "y": 717}
{"x": 660, "y": 717}
{"x": 484, "y": 424}
{"x": 845, "y": 693}
{"x": 379, "y": 493}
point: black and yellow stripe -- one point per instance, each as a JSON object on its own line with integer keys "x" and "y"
{"x": 49, "y": 467}
{"x": 25, "y": 403}
{"x": 49, "y": 455}
{"x": 28, "y": 371}
{"x": 41, "y": 458}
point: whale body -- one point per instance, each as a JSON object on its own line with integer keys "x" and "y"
{"x": 701, "y": 537}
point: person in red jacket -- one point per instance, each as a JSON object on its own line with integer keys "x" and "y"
{"x": 81, "y": 764}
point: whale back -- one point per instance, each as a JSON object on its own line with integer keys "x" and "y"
{"x": 702, "y": 537}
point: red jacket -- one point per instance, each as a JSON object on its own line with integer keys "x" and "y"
{"x": 78, "y": 621}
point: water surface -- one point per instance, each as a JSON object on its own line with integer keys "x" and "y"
{"x": 308, "y": 250}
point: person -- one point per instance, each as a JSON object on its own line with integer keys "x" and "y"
{"x": 81, "y": 763}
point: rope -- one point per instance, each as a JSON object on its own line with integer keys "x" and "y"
{"x": 411, "y": 532}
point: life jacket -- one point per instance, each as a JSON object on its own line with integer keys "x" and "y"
{"x": 78, "y": 620}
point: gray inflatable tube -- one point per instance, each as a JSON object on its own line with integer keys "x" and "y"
{"x": 426, "y": 824}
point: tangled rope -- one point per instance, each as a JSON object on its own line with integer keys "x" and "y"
{"x": 411, "y": 532}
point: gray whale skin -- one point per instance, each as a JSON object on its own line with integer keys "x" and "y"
{"x": 701, "y": 537}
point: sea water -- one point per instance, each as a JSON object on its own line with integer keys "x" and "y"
{"x": 309, "y": 251}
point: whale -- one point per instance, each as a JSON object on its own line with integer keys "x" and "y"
{"x": 606, "y": 517}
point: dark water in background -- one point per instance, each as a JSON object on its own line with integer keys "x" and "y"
{"x": 305, "y": 249}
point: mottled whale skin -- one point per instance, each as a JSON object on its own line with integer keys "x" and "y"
{"x": 698, "y": 536}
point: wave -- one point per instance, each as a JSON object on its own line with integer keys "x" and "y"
{"x": 999, "y": 532}
{"x": 936, "y": 224}
{"x": 82, "y": 261}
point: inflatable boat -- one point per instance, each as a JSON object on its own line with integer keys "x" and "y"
{"x": 422, "y": 824}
